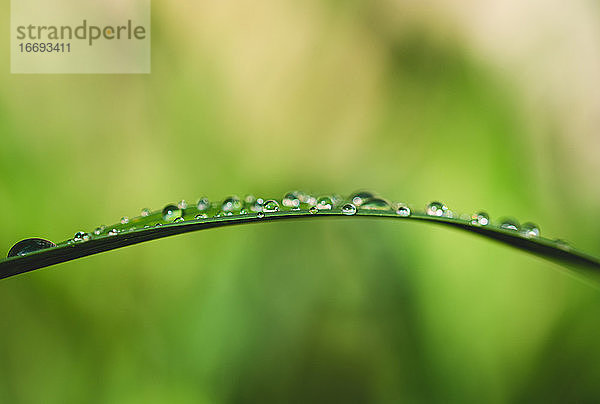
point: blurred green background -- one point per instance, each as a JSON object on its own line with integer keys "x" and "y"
{"x": 483, "y": 105}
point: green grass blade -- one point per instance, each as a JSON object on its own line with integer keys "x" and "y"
{"x": 155, "y": 225}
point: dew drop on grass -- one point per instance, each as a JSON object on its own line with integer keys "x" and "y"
{"x": 480, "y": 219}
{"x": 113, "y": 232}
{"x": 291, "y": 200}
{"x": 349, "y": 209}
{"x": 178, "y": 220}
{"x": 200, "y": 216}
{"x": 203, "y": 204}
{"x": 145, "y": 212}
{"x": 271, "y": 206}
{"x": 509, "y": 224}
{"x": 313, "y": 210}
{"x": 403, "y": 210}
{"x": 171, "y": 212}
{"x": 29, "y": 245}
{"x": 361, "y": 197}
{"x": 99, "y": 230}
{"x": 260, "y": 215}
{"x": 530, "y": 230}
{"x": 231, "y": 204}
{"x": 81, "y": 236}
{"x": 436, "y": 209}
{"x": 324, "y": 203}
{"x": 375, "y": 204}
{"x": 124, "y": 220}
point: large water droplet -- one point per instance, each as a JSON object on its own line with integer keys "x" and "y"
{"x": 270, "y": 206}
{"x": 324, "y": 203}
{"x": 349, "y": 209}
{"x": 171, "y": 212}
{"x": 375, "y": 204}
{"x": 29, "y": 245}
{"x": 203, "y": 204}
{"x": 480, "y": 219}
{"x": 436, "y": 209}
{"x": 509, "y": 223}
{"x": 231, "y": 204}
{"x": 81, "y": 236}
{"x": 530, "y": 230}
{"x": 361, "y": 197}
{"x": 403, "y": 210}
{"x": 291, "y": 200}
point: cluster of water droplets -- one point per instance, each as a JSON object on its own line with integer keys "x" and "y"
{"x": 253, "y": 207}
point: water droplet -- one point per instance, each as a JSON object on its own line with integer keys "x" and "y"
{"x": 178, "y": 220}
{"x": 146, "y": 212}
{"x": 313, "y": 210}
{"x": 253, "y": 204}
{"x": 562, "y": 244}
{"x": 99, "y": 230}
{"x": 124, "y": 220}
{"x": 324, "y": 203}
{"x": 530, "y": 230}
{"x": 375, "y": 204}
{"x": 480, "y": 219}
{"x": 349, "y": 209}
{"x": 270, "y": 206}
{"x": 200, "y": 216}
{"x": 436, "y": 209}
{"x": 260, "y": 215}
{"x": 158, "y": 225}
{"x": 403, "y": 210}
{"x": 231, "y": 204}
{"x": 361, "y": 197}
{"x": 509, "y": 224}
{"x": 171, "y": 212}
{"x": 292, "y": 200}
{"x": 113, "y": 232}
{"x": 29, "y": 245}
{"x": 81, "y": 236}
{"x": 203, "y": 204}
{"x": 182, "y": 204}
{"x": 222, "y": 213}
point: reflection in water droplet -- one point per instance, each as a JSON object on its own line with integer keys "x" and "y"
{"x": 313, "y": 210}
{"x": 29, "y": 245}
{"x": 509, "y": 224}
{"x": 375, "y": 204}
{"x": 99, "y": 230}
{"x": 361, "y": 197}
{"x": 146, "y": 212}
{"x": 530, "y": 230}
{"x": 124, "y": 220}
{"x": 231, "y": 204}
{"x": 81, "y": 236}
{"x": 203, "y": 204}
{"x": 171, "y": 212}
{"x": 200, "y": 216}
{"x": 436, "y": 209}
{"x": 113, "y": 232}
{"x": 324, "y": 203}
{"x": 270, "y": 206}
{"x": 260, "y": 215}
{"x": 403, "y": 210}
{"x": 480, "y": 219}
{"x": 349, "y": 209}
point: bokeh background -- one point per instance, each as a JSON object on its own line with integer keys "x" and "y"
{"x": 481, "y": 104}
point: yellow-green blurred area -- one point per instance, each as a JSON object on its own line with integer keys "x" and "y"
{"x": 488, "y": 105}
